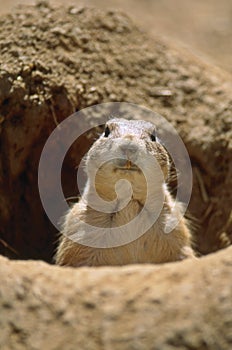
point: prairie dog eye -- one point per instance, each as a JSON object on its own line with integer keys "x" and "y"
{"x": 107, "y": 131}
{"x": 153, "y": 135}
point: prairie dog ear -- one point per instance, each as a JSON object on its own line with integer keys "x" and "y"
{"x": 164, "y": 160}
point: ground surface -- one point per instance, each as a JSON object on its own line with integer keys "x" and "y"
{"x": 183, "y": 305}
{"x": 204, "y": 26}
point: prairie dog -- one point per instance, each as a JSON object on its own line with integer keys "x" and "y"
{"x": 127, "y": 150}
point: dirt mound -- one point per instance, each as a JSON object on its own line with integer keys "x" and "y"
{"x": 57, "y": 61}
{"x": 183, "y": 305}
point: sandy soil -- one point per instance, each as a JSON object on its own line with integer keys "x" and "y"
{"x": 204, "y": 27}
{"x": 174, "y": 306}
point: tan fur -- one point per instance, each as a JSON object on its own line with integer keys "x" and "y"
{"x": 154, "y": 246}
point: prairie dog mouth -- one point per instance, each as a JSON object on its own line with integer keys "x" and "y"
{"x": 125, "y": 165}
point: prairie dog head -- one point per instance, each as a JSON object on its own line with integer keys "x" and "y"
{"x": 127, "y": 150}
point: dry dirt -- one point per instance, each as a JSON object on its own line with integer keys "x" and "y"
{"x": 203, "y": 26}
{"x": 130, "y": 308}
{"x": 55, "y": 62}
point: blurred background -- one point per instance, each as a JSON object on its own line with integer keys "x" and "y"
{"x": 203, "y": 26}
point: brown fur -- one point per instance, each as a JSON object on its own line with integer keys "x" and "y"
{"x": 154, "y": 246}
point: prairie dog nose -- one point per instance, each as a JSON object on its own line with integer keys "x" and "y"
{"x": 129, "y": 149}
